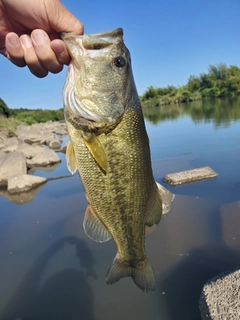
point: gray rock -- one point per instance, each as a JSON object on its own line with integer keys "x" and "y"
{"x": 30, "y": 151}
{"x": 2, "y": 144}
{"x": 61, "y": 131}
{"x": 188, "y": 176}
{"x": 2, "y": 157}
{"x": 2, "y": 137}
{"x": 48, "y": 157}
{"x": 10, "y": 145}
{"x": 31, "y": 136}
{"x": 64, "y": 148}
{"x": 49, "y": 168}
{"x": 24, "y": 182}
{"x": 14, "y": 164}
{"x": 219, "y": 299}
{"x": 167, "y": 198}
{"x": 22, "y": 130}
{"x": 46, "y": 137}
{"x": 54, "y": 143}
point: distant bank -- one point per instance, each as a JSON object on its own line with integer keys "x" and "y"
{"x": 220, "y": 81}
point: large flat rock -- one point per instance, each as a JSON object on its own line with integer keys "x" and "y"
{"x": 24, "y": 182}
{"x": 189, "y": 176}
{"x": 30, "y": 151}
{"x": 48, "y": 157}
{"x": 14, "y": 164}
{"x": 219, "y": 299}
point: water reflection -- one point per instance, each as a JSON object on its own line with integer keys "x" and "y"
{"x": 21, "y": 197}
{"x": 194, "y": 234}
{"x": 64, "y": 295}
{"x": 219, "y": 111}
{"x": 196, "y": 240}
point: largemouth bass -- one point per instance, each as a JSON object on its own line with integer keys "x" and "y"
{"x": 110, "y": 148}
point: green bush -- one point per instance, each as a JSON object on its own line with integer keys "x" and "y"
{"x": 218, "y": 82}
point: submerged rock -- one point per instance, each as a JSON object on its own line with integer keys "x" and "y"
{"x": 24, "y": 182}
{"x": 188, "y": 176}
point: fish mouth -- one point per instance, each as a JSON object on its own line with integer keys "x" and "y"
{"x": 93, "y": 42}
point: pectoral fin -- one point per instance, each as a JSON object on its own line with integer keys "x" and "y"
{"x": 95, "y": 148}
{"x": 94, "y": 228}
{"x": 71, "y": 158}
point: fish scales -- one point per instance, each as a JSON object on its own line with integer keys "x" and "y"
{"x": 111, "y": 196}
{"x": 113, "y": 159}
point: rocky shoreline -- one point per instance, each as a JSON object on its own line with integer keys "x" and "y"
{"x": 32, "y": 147}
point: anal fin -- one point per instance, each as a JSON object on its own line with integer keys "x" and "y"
{"x": 94, "y": 228}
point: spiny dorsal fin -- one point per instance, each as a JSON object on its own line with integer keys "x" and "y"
{"x": 94, "y": 228}
{"x": 71, "y": 158}
{"x": 95, "y": 148}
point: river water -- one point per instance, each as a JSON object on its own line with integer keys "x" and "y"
{"x": 50, "y": 270}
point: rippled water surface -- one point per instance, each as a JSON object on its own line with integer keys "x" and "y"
{"x": 50, "y": 270}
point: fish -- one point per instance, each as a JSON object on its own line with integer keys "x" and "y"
{"x": 109, "y": 147}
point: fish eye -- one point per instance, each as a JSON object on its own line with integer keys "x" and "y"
{"x": 119, "y": 62}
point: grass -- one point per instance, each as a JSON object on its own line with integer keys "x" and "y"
{"x": 8, "y": 126}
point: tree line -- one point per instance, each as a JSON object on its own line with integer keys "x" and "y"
{"x": 30, "y": 116}
{"x": 220, "y": 81}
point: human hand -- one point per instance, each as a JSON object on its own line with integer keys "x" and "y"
{"x": 29, "y": 34}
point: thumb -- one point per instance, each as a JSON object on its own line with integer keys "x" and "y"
{"x": 61, "y": 20}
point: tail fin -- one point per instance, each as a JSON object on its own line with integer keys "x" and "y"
{"x": 142, "y": 274}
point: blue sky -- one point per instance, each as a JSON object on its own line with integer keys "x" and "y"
{"x": 169, "y": 41}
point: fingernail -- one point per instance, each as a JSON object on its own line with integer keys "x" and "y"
{"x": 59, "y": 50}
{"x": 13, "y": 40}
{"x": 38, "y": 37}
{"x": 26, "y": 41}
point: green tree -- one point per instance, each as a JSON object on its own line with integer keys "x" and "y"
{"x": 4, "y": 110}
